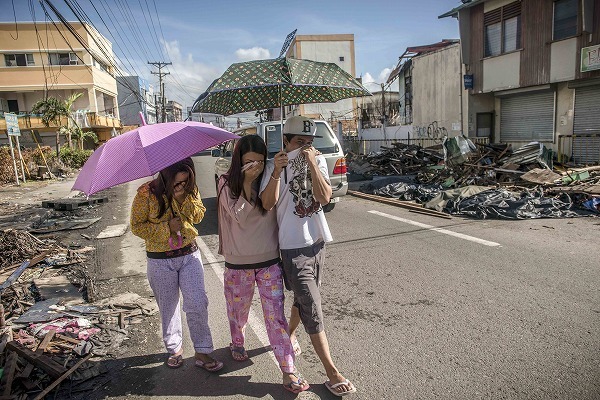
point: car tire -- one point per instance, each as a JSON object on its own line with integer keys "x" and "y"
{"x": 328, "y": 207}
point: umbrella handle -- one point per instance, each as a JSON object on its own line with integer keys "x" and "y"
{"x": 179, "y": 241}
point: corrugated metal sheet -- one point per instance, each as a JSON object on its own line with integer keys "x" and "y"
{"x": 527, "y": 117}
{"x": 587, "y": 110}
{"x": 586, "y": 126}
{"x": 586, "y": 149}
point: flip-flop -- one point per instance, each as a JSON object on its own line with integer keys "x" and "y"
{"x": 346, "y": 382}
{"x": 175, "y": 361}
{"x": 301, "y": 382}
{"x": 211, "y": 366}
{"x": 296, "y": 347}
{"x": 240, "y": 350}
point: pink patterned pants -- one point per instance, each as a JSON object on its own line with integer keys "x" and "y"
{"x": 239, "y": 290}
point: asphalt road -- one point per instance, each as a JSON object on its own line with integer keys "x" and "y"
{"x": 416, "y": 307}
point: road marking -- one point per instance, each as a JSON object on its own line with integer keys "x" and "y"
{"x": 255, "y": 323}
{"x": 440, "y": 230}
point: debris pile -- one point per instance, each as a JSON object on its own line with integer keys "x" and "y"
{"x": 524, "y": 180}
{"x": 49, "y": 333}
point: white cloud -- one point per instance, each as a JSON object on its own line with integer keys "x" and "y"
{"x": 383, "y": 75}
{"x": 188, "y": 78}
{"x": 255, "y": 53}
{"x": 375, "y": 85}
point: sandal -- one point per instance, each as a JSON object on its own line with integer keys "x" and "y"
{"x": 211, "y": 366}
{"x": 175, "y": 361}
{"x": 333, "y": 387}
{"x": 297, "y": 386}
{"x": 238, "y": 353}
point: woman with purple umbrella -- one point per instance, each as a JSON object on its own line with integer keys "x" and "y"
{"x": 163, "y": 213}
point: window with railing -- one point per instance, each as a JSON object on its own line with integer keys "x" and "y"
{"x": 565, "y": 19}
{"x": 19, "y": 60}
{"x": 502, "y": 29}
{"x": 63, "y": 59}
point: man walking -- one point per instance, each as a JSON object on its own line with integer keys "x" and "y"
{"x": 303, "y": 232}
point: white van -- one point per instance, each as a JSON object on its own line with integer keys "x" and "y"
{"x": 328, "y": 145}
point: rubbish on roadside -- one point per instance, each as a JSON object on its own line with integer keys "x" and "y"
{"x": 112, "y": 231}
{"x": 412, "y": 173}
{"x": 63, "y": 224}
{"x": 457, "y": 149}
{"x": 73, "y": 203}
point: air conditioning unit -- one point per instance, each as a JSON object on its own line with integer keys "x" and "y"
{"x": 3, "y": 105}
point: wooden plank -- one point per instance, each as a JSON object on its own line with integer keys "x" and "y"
{"x": 399, "y": 203}
{"x": 9, "y": 373}
{"x": 49, "y": 366}
{"x": 62, "y": 377}
{"x": 45, "y": 342}
{"x": 15, "y": 275}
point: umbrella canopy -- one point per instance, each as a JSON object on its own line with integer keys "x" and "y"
{"x": 145, "y": 151}
{"x": 262, "y": 84}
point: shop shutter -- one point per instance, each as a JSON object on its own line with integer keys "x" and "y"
{"x": 527, "y": 117}
{"x": 586, "y": 125}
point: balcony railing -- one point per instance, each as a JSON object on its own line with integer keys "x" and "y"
{"x": 34, "y": 121}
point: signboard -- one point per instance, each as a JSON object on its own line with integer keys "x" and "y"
{"x": 468, "y": 81}
{"x": 590, "y": 58}
{"x": 12, "y": 124}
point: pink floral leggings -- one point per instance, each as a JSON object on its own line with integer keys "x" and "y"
{"x": 239, "y": 290}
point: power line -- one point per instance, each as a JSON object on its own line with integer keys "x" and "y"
{"x": 160, "y": 65}
{"x": 81, "y": 41}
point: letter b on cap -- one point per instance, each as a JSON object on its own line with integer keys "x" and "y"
{"x": 307, "y": 126}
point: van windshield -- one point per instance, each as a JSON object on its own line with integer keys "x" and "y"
{"x": 325, "y": 144}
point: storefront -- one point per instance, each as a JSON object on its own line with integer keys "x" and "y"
{"x": 527, "y": 117}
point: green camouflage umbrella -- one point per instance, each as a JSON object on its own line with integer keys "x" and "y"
{"x": 263, "y": 84}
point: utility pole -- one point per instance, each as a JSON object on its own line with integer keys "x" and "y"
{"x": 160, "y": 65}
{"x": 383, "y": 112}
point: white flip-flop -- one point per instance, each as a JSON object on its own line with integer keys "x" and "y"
{"x": 346, "y": 382}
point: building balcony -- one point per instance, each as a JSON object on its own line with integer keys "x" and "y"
{"x": 34, "y": 121}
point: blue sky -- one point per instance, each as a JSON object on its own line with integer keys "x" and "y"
{"x": 202, "y": 38}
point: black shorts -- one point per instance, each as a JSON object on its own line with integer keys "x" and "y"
{"x": 302, "y": 270}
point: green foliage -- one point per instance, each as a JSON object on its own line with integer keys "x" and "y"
{"x": 51, "y": 110}
{"x": 74, "y": 158}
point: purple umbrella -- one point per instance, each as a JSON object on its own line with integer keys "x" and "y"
{"x": 145, "y": 151}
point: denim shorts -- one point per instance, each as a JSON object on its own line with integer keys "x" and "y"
{"x": 302, "y": 270}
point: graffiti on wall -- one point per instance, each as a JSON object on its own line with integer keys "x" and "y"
{"x": 431, "y": 131}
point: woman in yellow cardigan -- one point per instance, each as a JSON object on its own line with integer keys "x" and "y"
{"x": 163, "y": 213}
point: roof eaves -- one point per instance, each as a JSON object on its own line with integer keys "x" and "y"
{"x": 455, "y": 10}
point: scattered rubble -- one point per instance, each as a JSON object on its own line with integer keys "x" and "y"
{"x": 525, "y": 181}
{"x": 52, "y": 330}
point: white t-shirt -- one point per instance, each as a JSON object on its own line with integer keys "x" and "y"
{"x": 300, "y": 217}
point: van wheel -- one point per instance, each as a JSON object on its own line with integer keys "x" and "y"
{"x": 328, "y": 207}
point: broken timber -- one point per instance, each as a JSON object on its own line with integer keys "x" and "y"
{"x": 49, "y": 366}
{"x": 403, "y": 204}
{"x": 63, "y": 377}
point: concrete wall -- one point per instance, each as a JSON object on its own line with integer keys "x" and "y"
{"x": 480, "y": 103}
{"x": 437, "y": 89}
{"x": 129, "y": 102}
{"x": 501, "y": 72}
{"x": 563, "y": 63}
{"x": 326, "y": 48}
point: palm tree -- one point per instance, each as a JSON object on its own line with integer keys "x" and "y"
{"x": 53, "y": 110}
